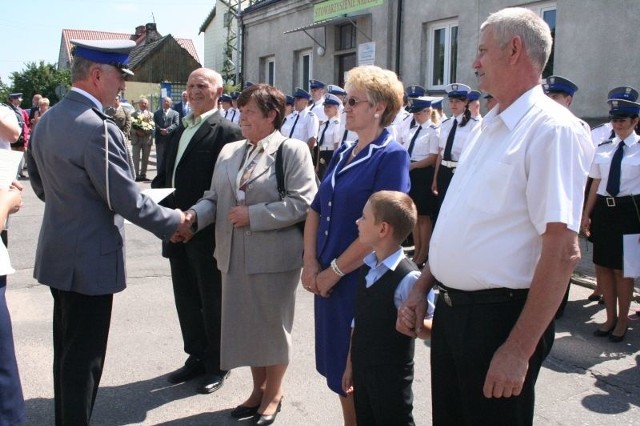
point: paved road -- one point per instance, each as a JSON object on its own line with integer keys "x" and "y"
{"x": 585, "y": 380}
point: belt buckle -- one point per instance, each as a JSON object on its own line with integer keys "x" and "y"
{"x": 611, "y": 202}
{"x": 447, "y": 299}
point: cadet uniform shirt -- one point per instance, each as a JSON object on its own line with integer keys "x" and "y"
{"x": 426, "y": 143}
{"x": 317, "y": 108}
{"x": 332, "y": 137}
{"x": 629, "y": 169}
{"x": 462, "y": 135}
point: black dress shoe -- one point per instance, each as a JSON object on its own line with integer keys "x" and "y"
{"x": 264, "y": 420}
{"x": 189, "y": 371}
{"x": 211, "y": 382}
{"x": 594, "y": 297}
{"x": 243, "y": 412}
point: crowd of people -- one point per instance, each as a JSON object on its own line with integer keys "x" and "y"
{"x": 337, "y": 179}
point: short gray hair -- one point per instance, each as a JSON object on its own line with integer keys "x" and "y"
{"x": 524, "y": 23}
{"x": 80, "y": 69}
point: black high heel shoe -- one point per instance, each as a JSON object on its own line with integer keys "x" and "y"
{"x": 617, "y": 339}
{"x": 264, "y": 420}
{"x": 243, "y": 412}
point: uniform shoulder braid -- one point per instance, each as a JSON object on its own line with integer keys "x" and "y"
{"x": 605, "y": 142}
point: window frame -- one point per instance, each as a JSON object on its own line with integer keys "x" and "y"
{"x": 449, "y": 66}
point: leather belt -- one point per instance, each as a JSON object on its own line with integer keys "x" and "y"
{"x": 614, "y": 201}
{"x": 454, "y": 297}
{"x": 449, "y": 164}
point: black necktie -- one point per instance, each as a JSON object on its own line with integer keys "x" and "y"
{"x": 613, "y": 183}
{"x": 294, "y": 125}
{"x": 452, "y": 135}
{"x": 413, "y": 141}
{"x": 226, "y": 113}
{"x": 234, "y": 115}
{"x": 326, "y": 126}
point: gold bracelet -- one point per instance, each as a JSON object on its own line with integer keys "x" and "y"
{"x": 335, "y": 268}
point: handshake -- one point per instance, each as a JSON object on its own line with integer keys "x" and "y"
{"x": 186, "y": 228}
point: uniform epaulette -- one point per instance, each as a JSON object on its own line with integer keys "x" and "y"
{"x": 433, "y": 126}
{"x": 472, "y": 118}
{"x": 336, "y": 121}
{"x": 101, "y": 114}
{"x": 605, "y": 142}
{"x": 599, "y": 125}
{"x": 311, "y": 113}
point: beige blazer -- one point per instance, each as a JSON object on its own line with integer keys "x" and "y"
{"x": 272, "y": 241}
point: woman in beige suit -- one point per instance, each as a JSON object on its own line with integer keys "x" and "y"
{"x": 258, "y": 245}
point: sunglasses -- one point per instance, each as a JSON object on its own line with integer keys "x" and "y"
{"x": 353, "y": 101}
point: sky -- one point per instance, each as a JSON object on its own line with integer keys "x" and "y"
{"x": 32, "y": 29}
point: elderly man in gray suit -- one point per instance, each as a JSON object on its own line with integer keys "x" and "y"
{"x": 80, "y": 169}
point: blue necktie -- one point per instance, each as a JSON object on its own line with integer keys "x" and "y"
{"x": 613, "y": 183}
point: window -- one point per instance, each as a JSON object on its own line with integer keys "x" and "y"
{"x": 346, "y": 37}
{"x": 548, "y": 12}
{"x": 304, "y": 69}
{"x": 268, "y": 70}
{"x": 442, "y": 39}
{"x": 345, "y": 63}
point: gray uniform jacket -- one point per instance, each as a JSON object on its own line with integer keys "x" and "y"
{"x": 272, "y": 242}
{"x": 80, "y": 247}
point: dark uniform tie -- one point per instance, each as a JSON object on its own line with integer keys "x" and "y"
{"x": 413, "y": 141}
{"x": 294, "y": 125}
{"x": 613, "y": 183}
{"x": 449, "y": 145}
{"x": 326, "y": 126}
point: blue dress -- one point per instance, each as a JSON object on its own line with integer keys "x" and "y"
{"x": 383, "y": 164}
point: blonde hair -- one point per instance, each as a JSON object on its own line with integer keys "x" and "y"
{"x": 380, "y": 85}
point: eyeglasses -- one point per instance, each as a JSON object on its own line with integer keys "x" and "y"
{"x": 353, "y": 101}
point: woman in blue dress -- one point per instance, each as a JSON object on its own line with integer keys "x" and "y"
{"x": 332, "y": 253}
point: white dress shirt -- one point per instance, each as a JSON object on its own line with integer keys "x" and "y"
{"x": 526, "y": 168}
{"x": 426, "y": 143}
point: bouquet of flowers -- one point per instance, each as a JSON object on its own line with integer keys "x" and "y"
{"x": 143, "y": 123}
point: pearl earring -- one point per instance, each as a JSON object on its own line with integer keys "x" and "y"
{"x": 376, "y": 115}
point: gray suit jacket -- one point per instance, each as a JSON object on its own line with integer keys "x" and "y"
{"x": 273, "y": 242}
{"x": 170, "y": 123}
{"x": 80, "y": 247}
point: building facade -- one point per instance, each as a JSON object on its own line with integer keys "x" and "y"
{"x": 433, "y": 43}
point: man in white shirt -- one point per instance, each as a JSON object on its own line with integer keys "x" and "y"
{"x": 506, "y": 240}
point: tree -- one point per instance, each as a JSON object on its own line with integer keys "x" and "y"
{"x": 40, "y": 78}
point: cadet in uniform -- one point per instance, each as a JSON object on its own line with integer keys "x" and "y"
{"x": 422, "y": 144}
{"x": 454, "y": 133}
{"x": 234, "y": 112}
{"x": 328, "y": 135}
{"x": 301, "y": 124}
{"x": 611, "y": 212}
{"x": 604, "y": 131}
{"x": 317, "y": 99}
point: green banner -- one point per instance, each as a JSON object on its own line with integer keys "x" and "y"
{"x": 332, "y": 8}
